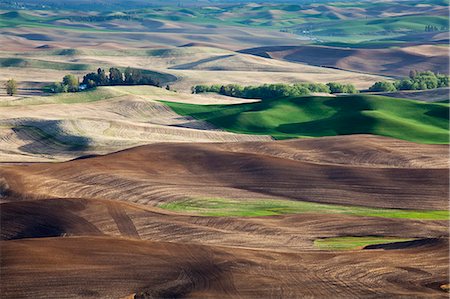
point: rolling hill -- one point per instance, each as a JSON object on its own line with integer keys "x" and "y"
{"x": 325, "y": 116}
{"x": 100, "y": 121}
{"x": 396, "y": 62}
{"x": 139, "y": 192}
{"x": 103, "y": 226}
{"x": 301, "y": 170}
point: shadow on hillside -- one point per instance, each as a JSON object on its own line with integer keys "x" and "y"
{"x": 47, "y": 137}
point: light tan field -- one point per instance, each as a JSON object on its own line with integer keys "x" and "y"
{"x": 155, "y": 35}
{"x": 191, "y": 65}
{"x": 66, "y": 126}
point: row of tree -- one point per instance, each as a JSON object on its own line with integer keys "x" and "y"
{"x": 271, "y": 91}
{"x": 130, "y": 76}
{"x": 415, "y": 81}
{"x": 116, "y": 77}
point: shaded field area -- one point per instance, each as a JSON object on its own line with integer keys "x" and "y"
{"x": 299, "y": 219}
{"x": 324, "y": 116}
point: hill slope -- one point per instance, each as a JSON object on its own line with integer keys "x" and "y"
{"x": 61, "y": 237}
{"x": 390, "y": 62}
{"x": 104, "y": 120}
{"x": 324, "y": 116}
{"x": 88, "y": 228}
{"x": 395, "y": 177}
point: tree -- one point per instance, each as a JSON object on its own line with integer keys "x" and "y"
{"x": 102, "y": 79}
{"x": 383, "y": 86}
{"x": 404, "y": 84}
{"x": 349, "y": 88}
{"x": 91, "y": 80}
{"x": 115, "y": 76}
{"x": 137, "y": 76}
{"x": 11, "y": 87}
{"x": 128, "y": 76}
{"x": 442, "y": 80}
{"x": 341, "y": 88}
{"x": 412, "y": 74}
{"x": 167, "y": 87}
{"x": 57, "y": 87}
{"x": 71, "y": 82}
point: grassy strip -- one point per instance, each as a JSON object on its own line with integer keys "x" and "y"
{"x": 253, "y": 208}
{"x": 349, "y": 243}
{"x": 325, "y": 116}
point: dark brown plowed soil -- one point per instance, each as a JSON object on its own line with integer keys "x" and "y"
{"x": 353, "y": 170}
{"x": 99, "y": 267}
{"x": 89, "y": 228}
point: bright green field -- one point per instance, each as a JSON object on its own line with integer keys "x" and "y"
{"x": 253, "y": 208}
{"x": 329, "y": 116}
{"x": 349, "y": 243}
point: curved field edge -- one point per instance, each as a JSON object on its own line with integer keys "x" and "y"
{"x": 351, "y": 243}
{"x": 313, "y": 116}
{"x": 223, "y": 207}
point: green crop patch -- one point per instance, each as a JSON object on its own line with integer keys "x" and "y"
{"x": 351, "y": 243}
{"x": 253, "y": 208}
{"x": 312, "y": 116}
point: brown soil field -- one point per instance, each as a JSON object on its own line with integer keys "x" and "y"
{"x": 357, "y": 170}
{"x": 93, "y": 267}
{"x": 90, "y": 227}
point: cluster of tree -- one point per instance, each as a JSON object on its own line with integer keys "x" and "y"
{"x": 130, "y": 76}
{"x": 415, "y": 81}
{"x": 271, "y": 91}
{"x": 433, "y": 28}
{"x": 11, "y": 87}
{"x": 341, "y": 88}
{"x": 116, "y": 77}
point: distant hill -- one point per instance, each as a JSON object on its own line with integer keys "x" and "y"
{"x": 396, "y": 62}
{"x": 131, "y": 4}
